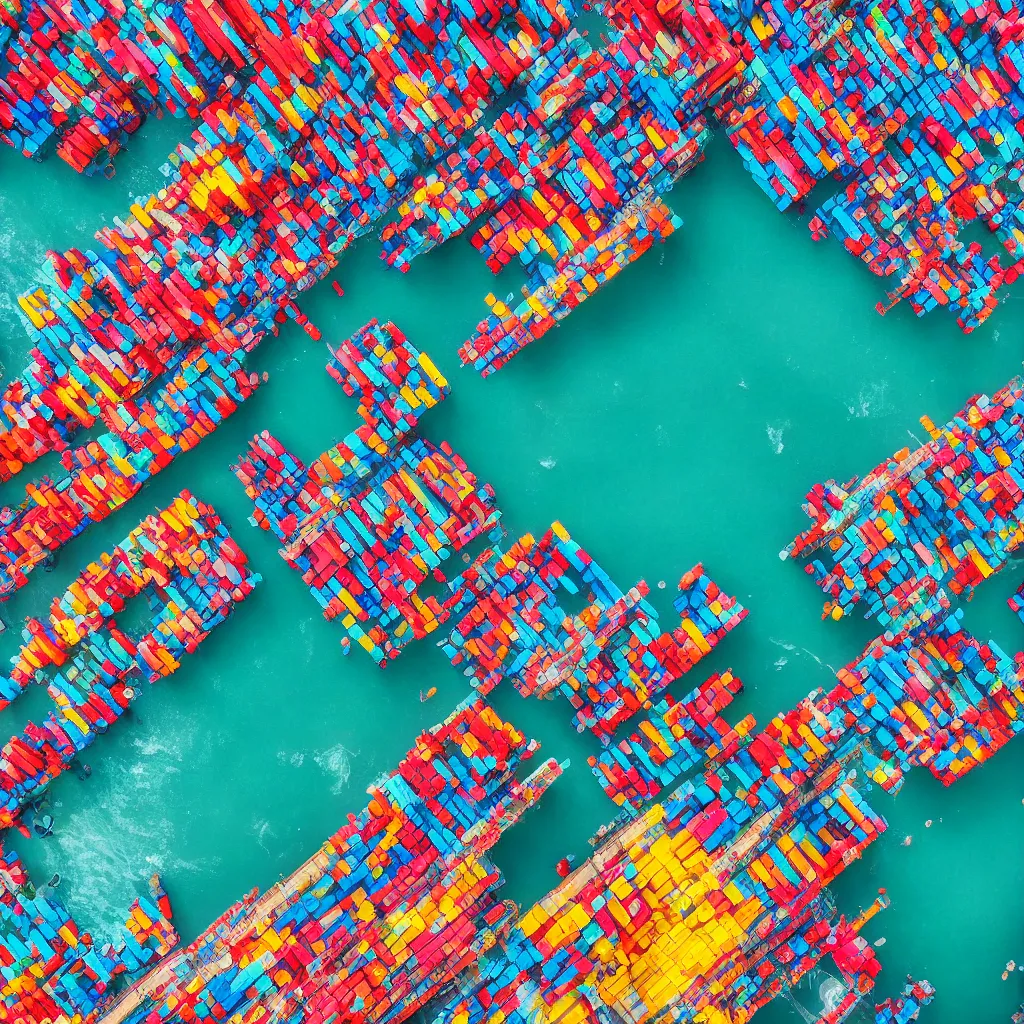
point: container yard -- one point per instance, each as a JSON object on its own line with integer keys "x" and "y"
{"x": 317, "y": 455}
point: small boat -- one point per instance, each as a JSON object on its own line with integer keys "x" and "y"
{"x": 42, "y": 825}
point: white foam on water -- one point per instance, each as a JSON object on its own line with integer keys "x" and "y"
{"x": 20, "y": 261}
{"x": 549, "y": 462}
{"x": 780, "y": 663}
{"x": 104, "y": 846}
{"x": 8, "y": 319}
{"x": 792, "y": 648}
{"x": 107, "y": 850}
{"x": 817, "y": 660}
{"x": 335, "y": 763}
{"x": 775, "y": 432}
{"x": 309, "y": 640}
{"x": 870, "y": 401}
{"x": 150, "y": 746}
{"x": 295, "y": 758}
{"x": 261, "y": 828}
{"x": 831, "y": 992}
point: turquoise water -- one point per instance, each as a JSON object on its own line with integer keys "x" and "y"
{"x": 678, "y": 416}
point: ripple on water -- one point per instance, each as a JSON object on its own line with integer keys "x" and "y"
{"x": 263, "y": 830}
{"x": 107, "y": 849}
{"x": 870, "y": 401}
{"x": 335, "y": 763}
{"x": 20, "y": 260}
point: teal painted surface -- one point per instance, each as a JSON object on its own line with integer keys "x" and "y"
{"x": 679, "y": 416}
